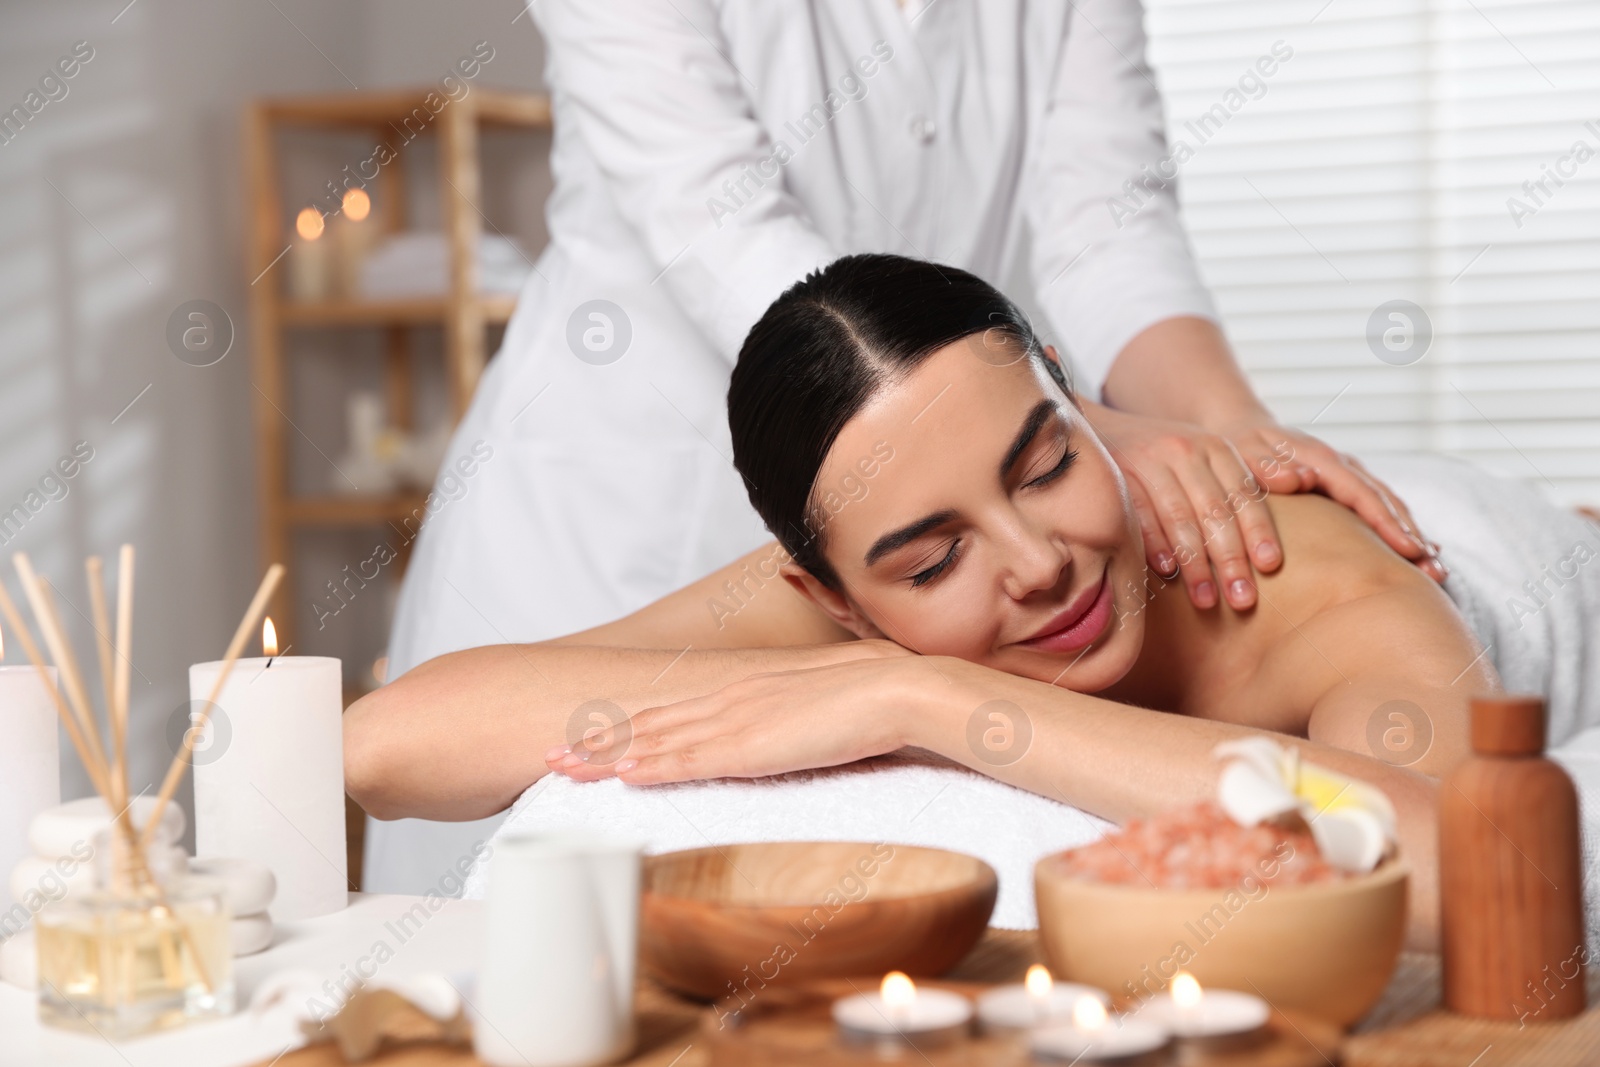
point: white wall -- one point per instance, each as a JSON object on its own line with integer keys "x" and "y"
{"x": 121, "y": 201}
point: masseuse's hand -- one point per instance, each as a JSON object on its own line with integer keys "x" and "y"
{"x": 1312, "y": 466}
{"x": 1201, "y": 498}
{"x": 762, "y": 725}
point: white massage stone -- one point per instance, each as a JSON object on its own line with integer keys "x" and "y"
{"x": 251, "y": 885}
{"x": 55, "y": 879}
{"x": 250, "y": 933}
{"x": 57, "y": 831}
{"x": 19, "y": 960}
{"x": 36, "y": 881}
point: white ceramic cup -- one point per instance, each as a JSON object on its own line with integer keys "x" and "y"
{"x": 562, "y": 939}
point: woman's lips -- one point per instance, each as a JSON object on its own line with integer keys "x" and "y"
{"x": 1080, "y": 625}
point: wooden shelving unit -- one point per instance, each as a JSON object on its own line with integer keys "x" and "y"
{"x": 462, "y": 313}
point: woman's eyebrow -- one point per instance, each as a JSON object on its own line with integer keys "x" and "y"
{"x": 1030, "y": 429}
{"x": 907, "y": 534}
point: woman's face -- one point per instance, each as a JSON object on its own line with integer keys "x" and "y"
{"x": 969, "y": 510}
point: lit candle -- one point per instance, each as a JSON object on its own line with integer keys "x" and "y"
{"x": 1037, "y": 1001}
{"x": 30, "y": 758}
{"x": 309, "y": 270}
{"x": 353, "y": 236}
{"x": 899, "y": 1011}
{"x": 1093, "y": 1036}
{"x": 269, "y": 774}
{"x": 1193, "y": 1013}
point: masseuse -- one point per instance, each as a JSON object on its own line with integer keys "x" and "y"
{"x": 709, "y": 154}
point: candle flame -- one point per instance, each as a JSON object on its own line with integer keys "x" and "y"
{"x": 1039, "y": 982}
{"x": 356, "y": 204}
{"x": 1185, "y": 990}
{"x": 269, "y": 637}
{"x": 1088, "y": 1014}
{"x": 308, "y": 223}
{"x": 897, "y": 990}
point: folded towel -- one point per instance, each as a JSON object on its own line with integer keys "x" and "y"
{"x": 906, "y": 798}
{"x": 417, "y": 263}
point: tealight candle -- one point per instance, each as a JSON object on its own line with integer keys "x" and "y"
{"x": 1037, "y": 1001}
{"x": 1191, "y": 1012}
{"x": 901, "y": 1011}
{"x": 1096, "y": 1037}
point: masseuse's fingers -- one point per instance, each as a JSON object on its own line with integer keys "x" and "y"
{"x": 1344, "y": 479}
{"x": 1157, "y": 549}
{"x": 1270, "y": 455}
{"x": 1174, "y": 504}
{"x": 1387, "y": 513}
{"x": 1223, "y": 544}
{"x": 1247, "y": 500}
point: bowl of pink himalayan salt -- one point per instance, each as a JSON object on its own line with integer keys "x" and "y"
{"x": 1254, "y": 909}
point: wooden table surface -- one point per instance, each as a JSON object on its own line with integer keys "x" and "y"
{"x": 1405, "y": 1029}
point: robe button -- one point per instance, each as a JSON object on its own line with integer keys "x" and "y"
{"x": 923, "y": 128}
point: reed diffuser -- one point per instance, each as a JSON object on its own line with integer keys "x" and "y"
{"x": 149, "y": 948}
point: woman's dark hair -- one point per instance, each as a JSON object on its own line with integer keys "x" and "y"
{"x": 824, "y": 348}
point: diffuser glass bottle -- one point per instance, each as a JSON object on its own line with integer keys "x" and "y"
{"x": 148, "y": 949}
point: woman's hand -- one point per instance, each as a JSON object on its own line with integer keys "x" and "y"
{"x": 1201, "y": 498}
{"x": 761, "y": 725}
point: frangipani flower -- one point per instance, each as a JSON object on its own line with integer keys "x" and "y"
{"x": 1352, "y": 822}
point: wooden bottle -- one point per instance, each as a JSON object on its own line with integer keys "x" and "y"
{"x": 1510, "y": 881}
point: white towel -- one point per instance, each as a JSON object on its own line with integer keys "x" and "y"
{"x": 417, "y": 263}
{"x": 1494, "y": 535}
{"x": 1501, "y": 539}
{"x": 907, "y": 798}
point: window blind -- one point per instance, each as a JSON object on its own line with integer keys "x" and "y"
{"x": 1401, "y": 221}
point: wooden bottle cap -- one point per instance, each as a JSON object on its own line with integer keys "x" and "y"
{"x": 1508, "y": 725}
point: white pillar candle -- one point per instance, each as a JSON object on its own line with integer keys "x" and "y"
{"x": 353, "y": 234}
{"x": 310, "y": 259}
{"x": 30, "y": 758}
{"x": 269, "y": 776}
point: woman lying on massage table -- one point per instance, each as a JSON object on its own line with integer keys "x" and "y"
{"x": 954, "y": 533}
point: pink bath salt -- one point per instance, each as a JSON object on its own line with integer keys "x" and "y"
{"x": 1199, "y": 847}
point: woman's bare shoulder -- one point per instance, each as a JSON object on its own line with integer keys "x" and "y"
{"x": 1330, "y": 545}
{"x": 1358, "y": 600}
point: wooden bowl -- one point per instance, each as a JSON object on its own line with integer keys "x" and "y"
{"x": 721, "y": 920}
{"x": 1327, "y": 950}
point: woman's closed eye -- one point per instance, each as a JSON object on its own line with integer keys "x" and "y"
{"x": 1061, "y": 467}
{"x": 928, "y": 574}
